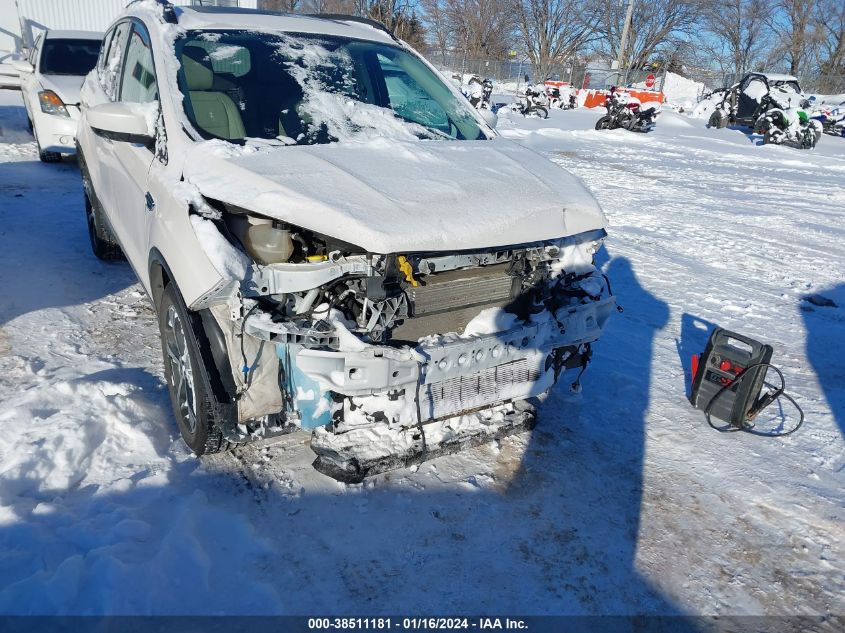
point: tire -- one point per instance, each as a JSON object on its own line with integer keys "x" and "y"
{"x": 198, "y": 414}
{"x": 604, "y": 123}
{"x": 717, "y": 120}
{"x": 103, "y": 243}
{"x": 539, "y": 111}
{"x": 809, "y": 138}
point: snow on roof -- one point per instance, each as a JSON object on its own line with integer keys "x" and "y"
{"x": 73, "y": 35}
{"x": 263, "y": 21}
{"x": 777, "y": 77}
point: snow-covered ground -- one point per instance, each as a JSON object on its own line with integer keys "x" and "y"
{"x": 622, "y": 500}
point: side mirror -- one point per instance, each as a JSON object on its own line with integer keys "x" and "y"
{"x": 489, "y": 117}
{"x": 125, "y": 122}
{"x": 22, "y": 66}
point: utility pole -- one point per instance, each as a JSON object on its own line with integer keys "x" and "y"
{"x": 624, "y": 43}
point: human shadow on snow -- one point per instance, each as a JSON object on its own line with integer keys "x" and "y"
{"x": 824, "y": 322}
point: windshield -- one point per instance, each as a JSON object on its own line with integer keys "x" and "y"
{"x": 305, "y": 89}
{"x": 787, "y": 85}
{"x": 69, "y": 57}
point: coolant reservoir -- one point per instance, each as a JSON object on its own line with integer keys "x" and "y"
{"x": 266, "y": 243}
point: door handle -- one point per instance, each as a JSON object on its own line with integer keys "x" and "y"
{"x": 150, "y": 202}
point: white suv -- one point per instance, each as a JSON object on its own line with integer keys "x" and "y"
{"x": 333, "y": 239}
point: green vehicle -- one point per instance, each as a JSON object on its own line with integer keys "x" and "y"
{"x": 771, "y": 105}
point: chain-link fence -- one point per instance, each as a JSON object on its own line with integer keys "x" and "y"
{"x": 512, "y": 73}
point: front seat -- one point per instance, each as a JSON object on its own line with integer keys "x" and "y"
{"x": 213, "y": 112}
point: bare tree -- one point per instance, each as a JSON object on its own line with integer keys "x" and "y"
{"x": 793, "y": 21}
{"x": 284, "y": 6}
{"x": 483, "y": 29}
{"x": 655, "y": 25}
{"x": 739, "y": 33}
{"x": 438, "y": 26}
{"x": 553, "y": 30}
{"x": 400, "y": 20}
{"x": 346, "y": 7}
{"x": 830, "y": 18}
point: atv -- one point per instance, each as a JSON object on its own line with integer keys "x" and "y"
{"x": 771, "y": 105}
{"x": 780, "y": 125}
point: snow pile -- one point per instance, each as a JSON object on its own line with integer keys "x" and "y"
{"x": 226, "y": 259}
{"x": 679, "y": 91}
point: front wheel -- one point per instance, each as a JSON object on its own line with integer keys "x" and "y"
{"x": 103, "y": 243}
{"x": 717, "y": 120}
{"x": 809, "y": 138}
{"x": 605, "y": 123}
{"x": 197, "y": 413}
{"x": 538, "y": 111}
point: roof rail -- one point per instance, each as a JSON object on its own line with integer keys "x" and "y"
{"x": 168, "y": 11}
{"x": 342, "y": 17}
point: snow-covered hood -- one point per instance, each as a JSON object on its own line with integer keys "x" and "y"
{"x": 66, "y": 86}
{"x": 389, "y": 196}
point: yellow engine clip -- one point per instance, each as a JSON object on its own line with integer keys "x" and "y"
{"x": 406, "y": 268}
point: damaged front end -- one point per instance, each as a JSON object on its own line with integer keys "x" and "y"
{"x": 390, "y": 359}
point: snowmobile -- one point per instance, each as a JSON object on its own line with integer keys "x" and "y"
{"x": 781, "y": 124}
{"x": 627, "y": 113}
{"x": 832, "y": 122}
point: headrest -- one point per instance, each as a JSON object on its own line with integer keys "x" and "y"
{"x": 197, "y": 68}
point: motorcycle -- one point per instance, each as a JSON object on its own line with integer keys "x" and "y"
{"x": 474, "y": 91}
{"x": 779, "y": 123}
{"x": 558, "y": 100}
{"x": 486, "y": 94}
{"x": 534, "y": 102}
{"x": 627, "y": 113}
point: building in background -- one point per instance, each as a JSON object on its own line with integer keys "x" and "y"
{"x": 22, "y": 20}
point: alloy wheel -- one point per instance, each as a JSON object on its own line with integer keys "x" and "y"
{"x": 181, "y": 368}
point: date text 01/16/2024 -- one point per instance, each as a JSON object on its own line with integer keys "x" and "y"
{"x": 414, "y": 624}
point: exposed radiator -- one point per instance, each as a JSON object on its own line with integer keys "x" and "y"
{"x": 461, "y": 288}
{"x": 448, "y": 301}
